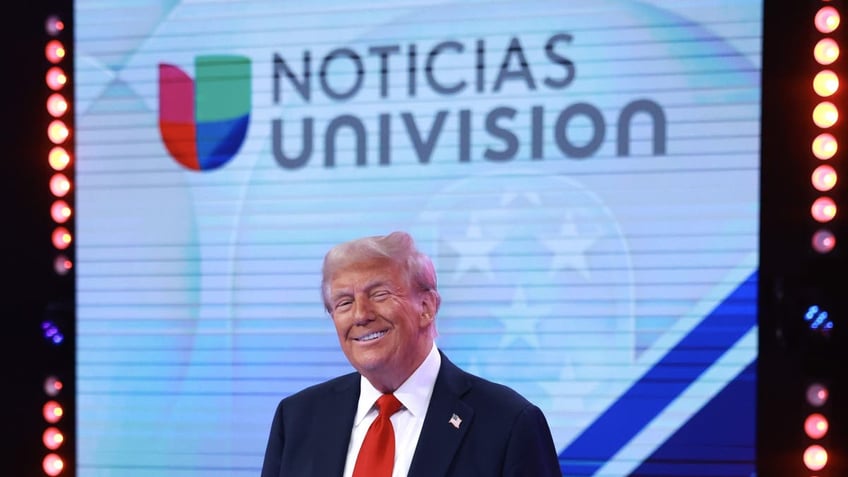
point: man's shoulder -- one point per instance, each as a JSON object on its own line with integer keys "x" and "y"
{"x": 316, "y": 391}
{"x": 482, "y": 391}
{"x": 496, "y": 391}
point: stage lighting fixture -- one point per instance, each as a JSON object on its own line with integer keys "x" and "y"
{"x": 823, "y": 209}
{"x": 52, "y": 332}
{"x": 58, "y": 158}
{"x": 56, "y": 78}
{"x": 57, "y": 131}
{"x": 54, "y": 25}
{"x": 824, "y": 178}
{"x": 817, "y": 394}
{"x": 53, "y": 465}
{"x": 824, "y": 146}
{"x": 61, "y": 238}
{"x": 815, "y": 457}
{"x": 818, "y": 319}
{"x": 54, "y": 51}
{"x": 52, "y": 438}
{"x": 823, "y": 241}
{"x": 57, "y": 106}
{"x": 825, "y": 114}
{"x": 826, "y": 51}
{"x": 60, "y": 211}
{"x": 56, "y": 328}
{"x": 52, "y": 412}
{"x": 827, "y": 19}
{"x": 825, "y": 83}
{"x": 59, "y": 185}
{"x": 53, "y": 386}
{"x": 62, "y": 264}
{"x": 816, "y": 426}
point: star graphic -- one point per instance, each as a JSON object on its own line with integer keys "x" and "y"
{"x": 510, "y": 196}
{"x": 520, "y": 320}
{"x": 569, "y": 248}
{"x": 474, "y": 251}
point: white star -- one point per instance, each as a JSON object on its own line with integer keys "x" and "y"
{"x": 569, "y": 248}
{"x": 473, "y": 251}
{"x": 508, "y": 197}
{"x": 520, "y": 320}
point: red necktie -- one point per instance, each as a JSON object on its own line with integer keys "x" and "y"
{"x": 377, "y": 455}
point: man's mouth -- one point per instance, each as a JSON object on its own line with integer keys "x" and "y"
{"x": 371, "y": 336}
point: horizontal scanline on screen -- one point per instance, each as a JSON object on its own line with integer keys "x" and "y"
{"x": 128, "y": 249}
{"x": 742, "y": 141}
{"x": 161, "y": 174}
{"x": 323, "y": 31}
{"x": 651, "y": 64}
{"x": 679, "y": 92}
{"x": 96, "y": 267}
{"x": 93, "y": 345}
{"x": 171, "y": 281}
{"x": 230, "y": 452}
{"x": 726, "y": 97}
{"x": 720, "y": 77}
{"x": 100, "y": 134}
{"x": 285, "y": 268}
{"x": 286, "y": 304}
{"x": 738, "y": 143}
{"x": 244, "y": 234}
{"x": 116, "y": 369}
{"x": 265, "y": 20}
{"x": 176, "y": 297}
{"x": 168, "y": 178}
{"x": 314, "y": 247}
{"x": 740, "y": 138}
{"x": 193, "y": 468}
{"x": 645, "y": 392}
{"x": 94, "y": 331}
{"x": 310, "y": 251}
{"x": 262, "y": 206}
{"x": 408, "y": 164}
{"x": 99, "y": 291}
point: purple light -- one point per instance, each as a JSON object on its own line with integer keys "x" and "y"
{"x": 52, "y": 332}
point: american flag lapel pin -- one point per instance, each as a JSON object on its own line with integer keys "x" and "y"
{"x": 455, "y": 421}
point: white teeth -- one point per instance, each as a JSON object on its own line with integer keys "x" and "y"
{"x": 371, "y": 336}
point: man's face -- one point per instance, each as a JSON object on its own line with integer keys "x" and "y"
{"x": 382, "y": 324}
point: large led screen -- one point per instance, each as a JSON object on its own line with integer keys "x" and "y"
{"x": 585, "y": 176}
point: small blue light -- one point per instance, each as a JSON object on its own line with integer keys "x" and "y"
{"x": 52, "y": 333}
{"x": 811, "y": 312}
{"x": 818, "y": 319}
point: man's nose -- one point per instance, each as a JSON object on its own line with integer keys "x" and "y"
{"x": 362, "y": 312}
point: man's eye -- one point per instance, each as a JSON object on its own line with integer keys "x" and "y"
{"x": 380, "y": 294}
{"x": 343, "y": 304}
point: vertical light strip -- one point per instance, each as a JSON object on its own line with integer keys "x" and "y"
{"x": 59, "y": 159}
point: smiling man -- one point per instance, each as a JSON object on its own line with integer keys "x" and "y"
{"x": 407, "y": 411}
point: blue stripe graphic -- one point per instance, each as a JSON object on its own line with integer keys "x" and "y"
{"x": 663, "y": 383}
{"x": 703, "y": 447}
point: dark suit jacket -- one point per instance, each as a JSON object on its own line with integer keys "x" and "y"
{"x": 501, "y": 433}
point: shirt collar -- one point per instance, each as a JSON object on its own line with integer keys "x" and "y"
{"x": 414, "y": 393}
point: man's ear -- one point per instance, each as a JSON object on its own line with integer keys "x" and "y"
{"x": 428, "y": 308}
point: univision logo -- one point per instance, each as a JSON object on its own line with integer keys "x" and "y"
{"x": 203, "y": 121}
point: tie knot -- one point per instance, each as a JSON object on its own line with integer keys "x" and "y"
{"x": 388, "y": 404}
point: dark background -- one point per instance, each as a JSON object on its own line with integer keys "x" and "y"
{"x": 790, "y": 274}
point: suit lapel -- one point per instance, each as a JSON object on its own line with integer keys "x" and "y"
{"x": 335, "y": 423}
{"x": 446, "y": 424}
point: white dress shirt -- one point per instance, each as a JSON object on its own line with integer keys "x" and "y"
{"x": 414, "y": 394}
